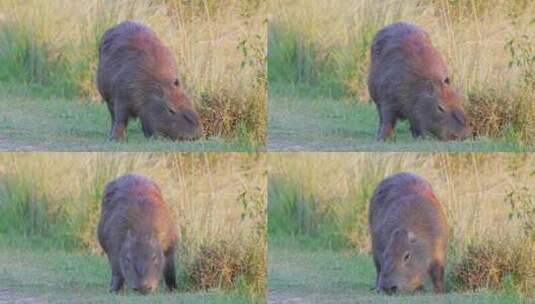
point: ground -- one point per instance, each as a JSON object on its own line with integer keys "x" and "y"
{"x": 303, "y": 122}
{"x": 32, "y": 123}
{"x": 32, "y": 275}
{"x": 299, "y": 274}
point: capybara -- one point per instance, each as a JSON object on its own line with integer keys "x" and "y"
{"x": 408, "y": 80}
{"x": 138, "y": 234}
{"x": 137, "y": 77}
{"x": 409, "y": 234}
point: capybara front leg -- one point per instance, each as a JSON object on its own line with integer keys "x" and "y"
{"x": 169, "y": 271}
{"x": 147, "y": 128}
{"x": 117, "y": 279}
{"x": 416, "y": 131}
{"x": 436, "y": 271}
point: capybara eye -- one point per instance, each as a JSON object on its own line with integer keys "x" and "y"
{"x": 447, "y": 80}
{"x": 176, "y": 82}
{"x": 407, "y": 256}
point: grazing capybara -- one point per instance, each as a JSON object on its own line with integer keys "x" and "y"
{"x": 409, "y": 234}
{"x": 138, "y": 234}
{"x": 408, "y": 80}
{"x": 137, "y": 77}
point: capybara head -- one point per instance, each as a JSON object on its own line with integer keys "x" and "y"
{"x": 441, "y": 110}
{"x": 141, "y": 261}
{"x": 174, "y": 116}
{"x": 405, "y": 263}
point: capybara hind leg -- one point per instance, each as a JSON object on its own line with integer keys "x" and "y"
{"x": 112, "y": 115}
{"x": 387, "y": 122}
{"x": 378, "y": 271}
{"x": 436, "y": 271}
{"x": 117, "y": 279}
{"x": 120, "y": 123}
{"x": 169, "y": 271}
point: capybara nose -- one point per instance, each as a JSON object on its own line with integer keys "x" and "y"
{"x": 390, "y": 290}
{"x": 144, "y": 289}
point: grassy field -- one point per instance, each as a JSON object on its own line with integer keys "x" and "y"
{"x": 51, "y": 50}
{"x": 32, "y": 274}
{"x": 300, "y": 274}
{"x": 50, "y": 206}
{"x": 318, "y": 223}
{"x": 302, "y": 122}
{"x": 32, "y": 123}
{"x": 322, "y": 47}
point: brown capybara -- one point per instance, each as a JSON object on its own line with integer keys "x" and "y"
{"x": 409, "y": 234}
{"x": 138, "y": 234}
{"x": 408, "y": 80}
{"x": 137, "y": 77}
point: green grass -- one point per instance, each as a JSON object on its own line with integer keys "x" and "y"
{"x": 301, "y": 121}
{"x": 31, "y": 122}
{"x": 55, "y": 276}
{"x": 304, "y": 274}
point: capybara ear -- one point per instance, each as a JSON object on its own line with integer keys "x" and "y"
{"x": 395, "y": 233}
{"x": 129, "y": 235}
{"x": 412, "y": 237}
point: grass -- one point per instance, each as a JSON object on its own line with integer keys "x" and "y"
{"x": 34, "y": 123}
{"x": 301, "y": 121}
{"x": 320, "y": 200}
{"x": 56, "y": 276}
{"x": 52, "y": 200}
{"x": 51, "y": 49}
{"x": 300, "y": 274}
{"x": 323, "y": 47}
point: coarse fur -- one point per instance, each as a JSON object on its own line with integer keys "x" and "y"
{"x": 409, "y": 80}
{"x": 137, "y": 77}
{"x": 409, "y": 234}
{"x": 138, "y": 234}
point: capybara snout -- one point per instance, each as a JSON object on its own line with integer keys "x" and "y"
{"x": 408, "y": 79}
{"x": 409, "y": 234}
{"x": 138, "y": 234}
{"x": 138, "y": 78}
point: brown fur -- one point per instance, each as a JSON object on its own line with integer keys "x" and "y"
{"x": 138, "y": 234}
{"x": 409, "y": 80}
{"x": 137, "y": 77}
{"x": 409, "y": 234}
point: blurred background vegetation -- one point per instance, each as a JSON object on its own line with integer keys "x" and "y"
{"x": 320, "y": 200}
{"x": 219, "y": 45}
{"x": 52, "y": 200}
{"x": 322, "y": 48}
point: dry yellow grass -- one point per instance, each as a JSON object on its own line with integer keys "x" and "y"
{"x": 474, "y": 188}
{"x": 219, "y": 46}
